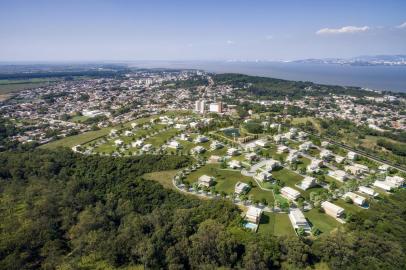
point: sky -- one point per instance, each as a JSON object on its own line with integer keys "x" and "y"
{"x": 118, "y": 30}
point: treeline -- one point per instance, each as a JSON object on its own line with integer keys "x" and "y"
{"x": 396, "y": 148}
{"x": 397, "y": 136}
{"x": 62, "y": 74}
{"x": 60, "y": 210}
{"x": 270, "y": 88}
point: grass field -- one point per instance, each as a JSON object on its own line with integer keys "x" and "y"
{"x": 79, "y": 118}
{"x": 77, "y": 139}
{"x": 91, "y": 135}
{"x": 349, "y": 207}
{"x": 289, "y": 177}
{"x": 323, "y": 222}
{"x": 275, "y": 224}
{"x": 226, "y": 180}
{"x": 11, "y": 86}
{"x": 303, "y": 120}
{"x": 162, "y": 177}
{"x": 161, "y": 138}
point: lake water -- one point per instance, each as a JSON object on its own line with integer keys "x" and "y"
{"x": 391, "y": 78}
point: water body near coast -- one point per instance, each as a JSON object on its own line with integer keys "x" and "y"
{"x": 391, "y": 78}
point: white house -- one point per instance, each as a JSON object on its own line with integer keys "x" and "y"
{"x": 205, "y": 180}
{"x": 184, "y": 137}
{"x": 263, "y": 176}
{"x": 352, "y": 155}
{"x": 307, "y": 183}
{"x": 396, "y": 180}
{"x": 339, "y": 159}
{"x": 138, "y": 143}
{"x": 390, "y": 182}
{"x": 251, "y": 156}
{"x": 325, "y": 143}
{"x": 201, "y": 139}
{"x": 278, "y": 138}
{"x": 282, "y": 149}
{"x": 262, "y": 143}
{"x": 292, "y": 158}
{"x": 357, "y": 199}
{"x": 253, "y": 214}
{"x": 241, "y": 188}
{"x": 306, "y": 146}
{"x": 147, "y": 147}
{"x": 214, "y": 159}
{"x": 293, "y": 130}
{"x": 234, "y": 164}
{"x": 290, "y": 193}
{"x": 325, "y": 154}
{"x": 298, "y": 220}
{"x": 113, "y": 132}
{"x": 174, "y": 145}
{"x": 383, "y": 168}
{"x": 367, "y": 190}
{"x": 272, "y": 164}
{"x": 339, "y": 175}
{"x": 332, "y": 210}
{"x": 232, "y": 152}
{"x": 118, "y": 142}
{"x": 128, "y": 133}
{"x": 252, "y": 146}
{"x": 198, "y": 149}
{"x": 302, "y": 135}
{"x": 314, "y": 165}
{"x": 356, "y": 169}
{"x": 216, "y": 145}
{"x": 181, "y": 126}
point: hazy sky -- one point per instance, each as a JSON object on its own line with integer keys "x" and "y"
{"x": 73, "y": 30}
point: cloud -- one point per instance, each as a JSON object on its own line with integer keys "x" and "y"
{"x": 230, "y": 42}
{"x": 402, "y": 26}
{"x": 343, "y": 30}
{"x": 268, "y": 37}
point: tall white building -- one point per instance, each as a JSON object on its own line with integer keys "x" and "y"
{"x": 200, "y": 106}
{"x": 216, "y": 107}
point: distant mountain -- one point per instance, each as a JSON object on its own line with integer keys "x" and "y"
{"x": 366, "y": 60}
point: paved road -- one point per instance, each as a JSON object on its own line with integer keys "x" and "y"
{"x": 363, "y": 153}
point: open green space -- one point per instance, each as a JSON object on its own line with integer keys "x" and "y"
{"x": 79, "y": 118}
{"x": 349, "y": 207}
{"x": 161, "y": 138}
{"x": 275, "y": 224}
{"x": 289, "y": 177}
{"x": 77, "y": 139}
{"x": 323, "y": 222}
{"x": 162, "y": 177}
{"x": 303, "y": 120}
{"x": 226, "y": 180}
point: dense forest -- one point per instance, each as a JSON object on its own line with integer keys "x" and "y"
{"x": 270, "y": 88}
{"x": 61, "y": 210}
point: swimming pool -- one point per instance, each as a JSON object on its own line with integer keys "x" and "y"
{"x": 232, "y": 132}
{"x": 251, "y": 226}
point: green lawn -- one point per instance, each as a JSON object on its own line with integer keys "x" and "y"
{"x": 275, "y": 224}
{"x": 79, "y": 118}
{"x": 161, "y": 138}
{"x": 77, "y": 139}
{"x": 226, "y": 180}
{"x": 289, "y": 177}
{"x": 304, "y": 162}
{"x": 349, "y": 207}
{"x": 303, "y": 120}
{"x": 323, "y": 222}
